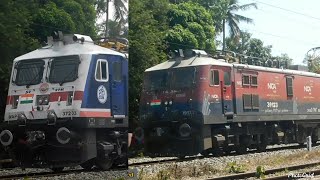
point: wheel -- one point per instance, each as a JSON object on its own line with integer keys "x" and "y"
{"x": 241, "y": 149}
{"x": 104, "y": 163}
{"x": 262, "y": 147}
{"x": 205, "y": 153}
{"x": 57, "y": 169}
{"x": 227, "y": 150}
{"x": 88, "y": 165}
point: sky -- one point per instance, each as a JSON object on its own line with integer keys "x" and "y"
{"x": 287, "y": 32}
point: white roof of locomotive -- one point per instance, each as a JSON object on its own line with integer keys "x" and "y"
{"x": 59, "y": 49}
{"x": 205, "y": 60}
{"x": 193, "y": 61}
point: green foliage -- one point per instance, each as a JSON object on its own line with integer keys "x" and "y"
{"x": 284, "y": 59}
{"x": 313, "y": 63}
{"x": 49, "y": 17}
{"x": 233, "y": 167}
{"x": 163, "y": 175}
{"x": 191, "y": 26}
{"x": 260, "y": 172}
{"x": 250, "y": 47}
{"x": 255, "y": 48}
{"x": 147, "y": 30}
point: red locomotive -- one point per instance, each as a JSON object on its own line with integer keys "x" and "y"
{"x": 201, "y": 104}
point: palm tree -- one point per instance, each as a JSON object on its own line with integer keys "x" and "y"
{"x": 121, "y": 13}
{"x": 233, "y": 19}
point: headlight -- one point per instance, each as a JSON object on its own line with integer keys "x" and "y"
{"x": 42, "y": 100}
{"x": 185, "y": 130}
{"x": 166, "y": 103}
{"x": 15, "y": 101}
{"x": 170, "y": 102}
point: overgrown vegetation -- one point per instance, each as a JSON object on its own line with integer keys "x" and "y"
{"x": 234, "y": 167}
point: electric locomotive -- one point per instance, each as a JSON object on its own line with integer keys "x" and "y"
{"x": 67, "y": 105}
{"x": 198, "y": 103}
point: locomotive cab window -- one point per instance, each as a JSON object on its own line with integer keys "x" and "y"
{"x": 227, "y": 80}
{"x": 254, "y": 81}
{"x": 64, "y": 69}
{"x": 245, "y": 80}
{"x": 289, "y": 81}
{"x": 102, "y": 74}
{"x": 28, "y": 72}
{"x": 117, "y": 71}
{"x": 214, "y": 78}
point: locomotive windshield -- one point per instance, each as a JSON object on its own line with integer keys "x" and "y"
{"x": 156, "y": 80}
{"x": 64, "y": 69}
{"x": 174, "y": 79}
{"x": 29, "y": 72}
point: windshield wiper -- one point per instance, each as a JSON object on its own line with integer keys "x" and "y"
{"x": 68, "y": 75}
{"x": 33, "y": 79}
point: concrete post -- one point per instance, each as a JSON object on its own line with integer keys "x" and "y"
{"x": 309, "y": 143}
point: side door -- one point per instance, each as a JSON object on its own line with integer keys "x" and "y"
{"x": 226, "y": 90}
{"x": 118, "y": 86}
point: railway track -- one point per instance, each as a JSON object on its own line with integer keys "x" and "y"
{"x": 52, "y": 174}
{"x": 40, "y": 174}
{"x": 273, "y": 171}
{"x": 190, "y": 158}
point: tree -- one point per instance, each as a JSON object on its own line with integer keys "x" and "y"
{"x": 284, "y": 60}
{"x": 248, "y": 46}
{"x": 191, "y": 26}
{"x": 233, "y": 19}
{"x": 313, "y": 63}
{"x": 120, "y": 16}
{"x": 147, "y": 31}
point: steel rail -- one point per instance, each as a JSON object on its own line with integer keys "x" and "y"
{"x": 269, "y": 172}
{"x": 190, "y": 158}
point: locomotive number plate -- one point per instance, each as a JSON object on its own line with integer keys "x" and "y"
{"x": 13, "y": 116}
{"x": 272, "y": 104}
{"x": 67, "y": 113}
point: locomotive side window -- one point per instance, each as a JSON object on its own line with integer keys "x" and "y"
{"x": 289, "y": 81}
{"x": 245, "y": 80}
{"x": 211, "y": 78}
{"x": 216, "y": 77}
{"x": 255, "y": 101}
{"x": 102, "y": 74}
{"x": 117, "y": 71}
{"x": 227, "y": 80}
{"x": 254, "y": 81}
{"x": 247, "y": 103}
{"x": 28, "y": 72}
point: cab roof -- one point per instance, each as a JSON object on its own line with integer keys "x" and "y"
{"x": 61, "y": 49}
{"x": 206, "y": 60}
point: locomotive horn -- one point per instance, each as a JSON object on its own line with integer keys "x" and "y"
{"x": 6, "y": 137}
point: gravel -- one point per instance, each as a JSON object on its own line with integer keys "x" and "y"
{"x": 218, "y": 166}
{"x": 112, "y": 174}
